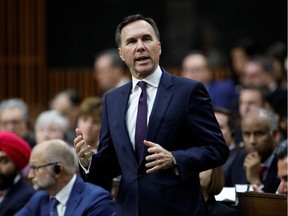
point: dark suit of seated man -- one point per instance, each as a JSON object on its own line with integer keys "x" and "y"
{"x": 15, "y": 191}
{"x": 259, "y": 130}
{"x": 53, "y": 170}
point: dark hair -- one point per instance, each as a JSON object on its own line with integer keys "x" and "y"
{"x": 264, "y": 62}
{"x": 264, "y": 91}
{"x": 281, "y": 150}
{"x": 133, "y": 18}
{"x": 231, "y": 118}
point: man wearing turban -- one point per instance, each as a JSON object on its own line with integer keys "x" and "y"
{"x": 15, "y": 191}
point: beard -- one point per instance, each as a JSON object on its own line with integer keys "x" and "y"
{"x": 44, "y": 183}
{"x": 7, "y": 180}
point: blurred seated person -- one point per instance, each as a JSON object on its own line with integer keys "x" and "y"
{"x": 89, "y": 122}
{"x": 250, "y": 96}
{"x": 222, "y": 93}
{"x": 15, "y": 191}
{"x": 53, "y": 173}
{"x": 256, "y": 164}
{"x": 109, "y": 71}
{"x": 14, "y": 117}
{"x": 67, "y": 102}
{"x": 212, "y": 183}
{"x": 49, "y": 125}
{"x": 259, "y": 70}
{"x": 241, "y": 51}
{"x": 227, "y": 124}
{"x": 277, "y": 53}
{"x": 281, "y": 153}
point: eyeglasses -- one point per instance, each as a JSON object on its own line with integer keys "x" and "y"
{"x": 35, "y": 168}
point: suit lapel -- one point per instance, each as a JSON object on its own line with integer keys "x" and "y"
{"x": 122, "y": 105}
{"x": 75, "y": 197}
{"x": 162, "y": 100}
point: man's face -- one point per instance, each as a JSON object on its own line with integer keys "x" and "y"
{"x": 282, "y": 174}
{"x": 253, "y": 74}
{"x": 8, "y": 171}
{"x": 223, "y": 123}
{"x": 12, "y": 119}
{"x": 140, "y": 48}
{"x": 195, "y": 67}
{"x": 42, "y": 178}
{"x": 105, "y": 74}
{"x": 48, "y": 132}
{"x": 257, "y": 135}
{"x": 249, "y": 99}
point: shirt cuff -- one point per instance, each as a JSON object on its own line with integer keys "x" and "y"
{"x": 86, "y": 170}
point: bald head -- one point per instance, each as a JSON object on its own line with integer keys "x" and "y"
{"x": 54, "y": 151}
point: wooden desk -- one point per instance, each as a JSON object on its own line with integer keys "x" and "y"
{"x": 262, "y": 204}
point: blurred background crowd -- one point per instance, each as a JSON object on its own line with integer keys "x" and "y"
{"x": 58, "y": 58}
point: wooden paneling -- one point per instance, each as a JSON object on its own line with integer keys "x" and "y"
{"x": 23, "y": 70}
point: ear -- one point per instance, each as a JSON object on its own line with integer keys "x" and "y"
{"x": 121, "y": 54}
{"x": 160, "y": 48}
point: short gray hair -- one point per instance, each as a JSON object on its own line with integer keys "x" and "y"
{"x": 17, "y": 103}
{"x": 51, "y": 116}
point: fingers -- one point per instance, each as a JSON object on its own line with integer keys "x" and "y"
{"x": 84, "y": 152}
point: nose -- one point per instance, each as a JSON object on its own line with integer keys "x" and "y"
{"x": 252, "y": 139}
{"x": 31, "y": 174}
{"x": 140, "y": 45}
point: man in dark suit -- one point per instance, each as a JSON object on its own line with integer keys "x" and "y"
{"x": 183, "y": 137}
{"x": 52, "y": 169}
{"x": 223, "y": 93}
{"x": 256, "y": 164}
{"x": 14, "y": 190}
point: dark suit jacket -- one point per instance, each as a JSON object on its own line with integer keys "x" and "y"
{"x": 16, "y": 198}
{"x": 235, "y": 174}
{"x": 223, "y": 93}
{"x": 85, "y": 199}
{"x": 182, "y": 121}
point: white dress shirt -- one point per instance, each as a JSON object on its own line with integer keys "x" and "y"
{"x": 152, "y": 83}
{"x": 63, "y": 195}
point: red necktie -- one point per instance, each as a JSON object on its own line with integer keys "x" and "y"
{"x": 262, "y": 169}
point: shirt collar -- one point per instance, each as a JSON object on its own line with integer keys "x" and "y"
{"x": 63, "y": 195}
{"x": 153, "y": 79}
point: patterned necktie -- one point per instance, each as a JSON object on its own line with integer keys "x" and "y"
{"x": 53, "y": 206}
{"x": 141, "y": 120}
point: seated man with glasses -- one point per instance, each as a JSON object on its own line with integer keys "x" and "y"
{"x": 14, "y": 190}
{"x": 52, "y": 170}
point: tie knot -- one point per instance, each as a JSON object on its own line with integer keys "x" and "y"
{"x": 142, "y": 85}
{"x": 53, "y": 202}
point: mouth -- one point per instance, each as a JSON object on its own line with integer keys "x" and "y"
{"x": 252, "y": 150}
{"x": 142, "y": 59}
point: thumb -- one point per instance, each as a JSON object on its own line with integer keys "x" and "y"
{"x": 78, "y": 132}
